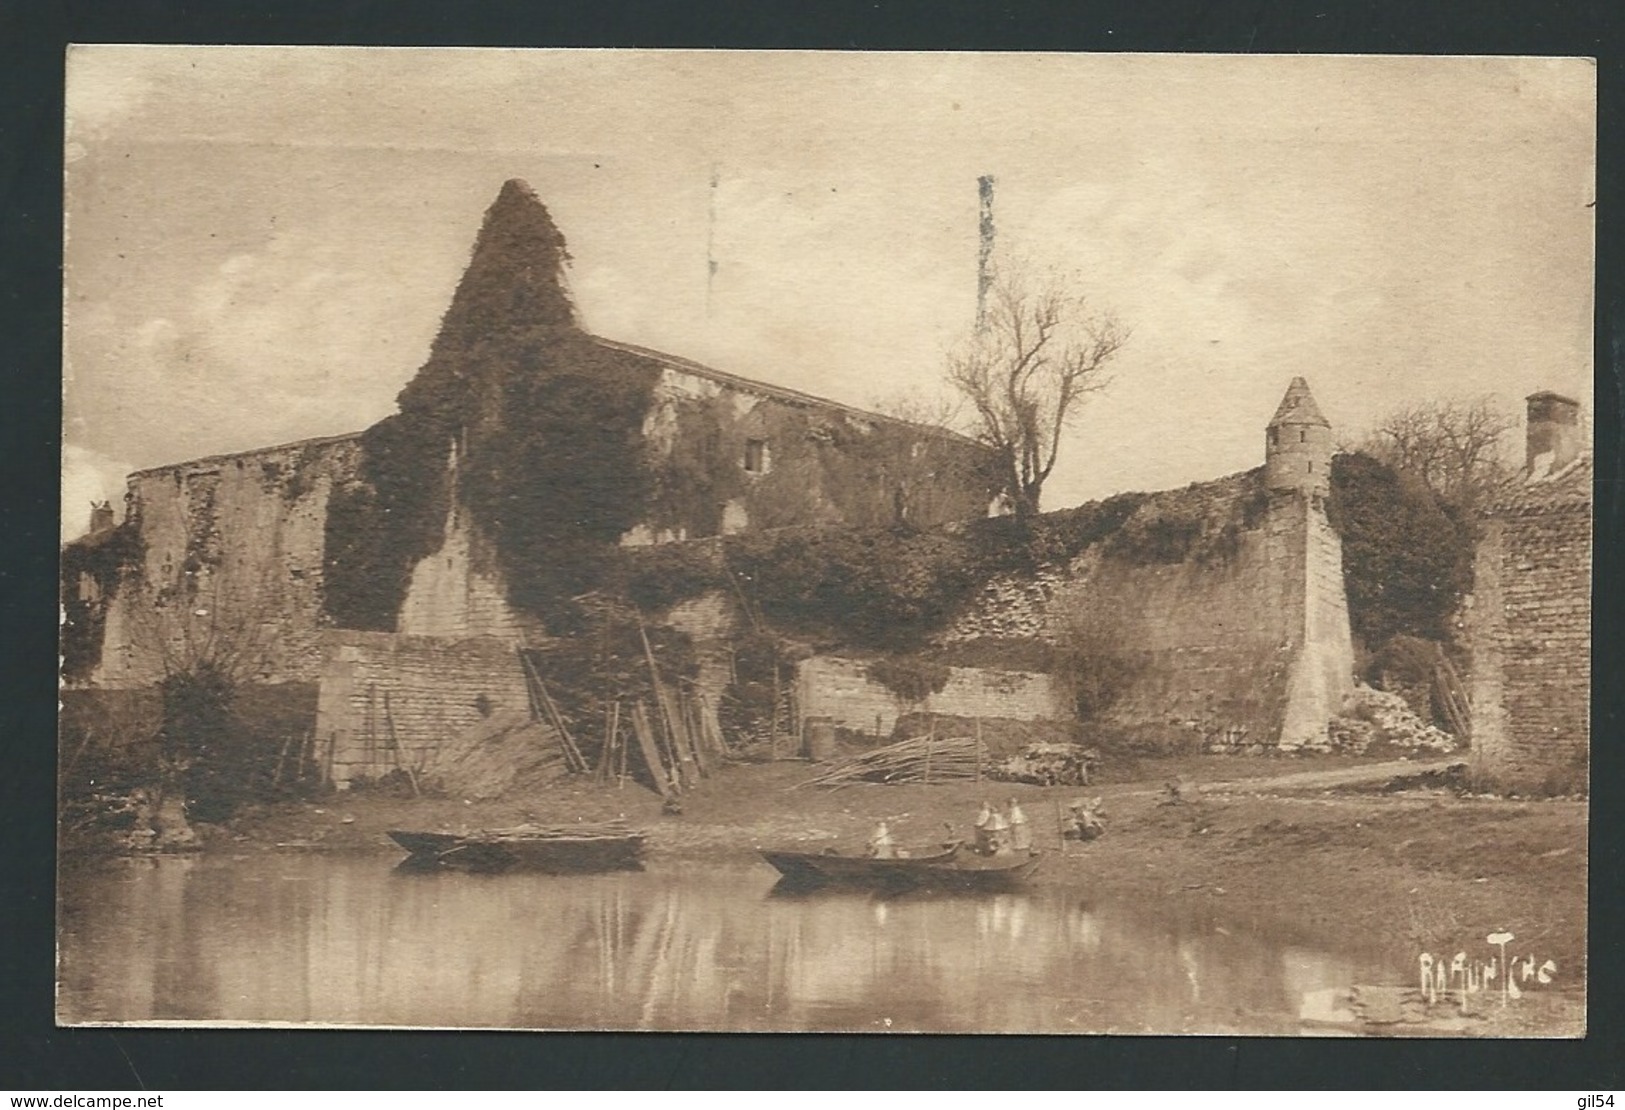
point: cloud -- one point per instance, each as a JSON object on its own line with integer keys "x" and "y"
{"x": 298, "y": 338}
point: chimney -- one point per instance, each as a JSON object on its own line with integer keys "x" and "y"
{"x": 101, "y": 516}
{"x": 1553, "y": 432}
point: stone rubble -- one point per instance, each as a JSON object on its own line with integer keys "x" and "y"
{"x": 1369, "y": 717}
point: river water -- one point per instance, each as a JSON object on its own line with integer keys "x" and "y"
{"x": 351, "y": 940}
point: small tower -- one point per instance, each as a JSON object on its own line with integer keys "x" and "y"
{"x": 1298, "y": 444}
{"x": 101, "y": 516}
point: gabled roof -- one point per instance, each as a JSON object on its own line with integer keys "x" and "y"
{"x": 779, "y": 392}
{"x": 1566, "y": 488}
{"x": 1298, "y": 407}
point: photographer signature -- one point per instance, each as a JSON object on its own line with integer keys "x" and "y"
{"x": 1465, "y": 976}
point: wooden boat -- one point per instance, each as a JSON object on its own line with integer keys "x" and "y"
{"x": 424, "y": 843}
{"x": 950, "y": 869}
{"x": 528, "y": 847}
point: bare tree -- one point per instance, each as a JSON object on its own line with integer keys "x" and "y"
{"x": 1456, "y": 447}
{"x": 1038, "y": 353}
{"x": 920, "y": 406}
{"x": 928, "y": 475}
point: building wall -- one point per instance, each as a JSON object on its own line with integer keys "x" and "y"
{"x": 818, "y": 463}
{"x": 415, "y": 692}
{"x": 841, "y": 689}
{"x": 231, "y": 565}
{"x": 242, "y": 536}
{"x": 458, "y": 592}
{"x": 1530, "y": 624}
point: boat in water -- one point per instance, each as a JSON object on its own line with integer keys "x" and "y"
{"x": 952, "y": 868}
{"x": 610, "y": 847}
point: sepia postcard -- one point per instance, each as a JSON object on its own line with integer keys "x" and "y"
{"x": 795, "y": 541}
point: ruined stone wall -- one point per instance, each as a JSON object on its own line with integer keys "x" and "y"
{"x": 231, "y": 566}
{"x": 1530, "y": 624}
{"x": 388, "y": 700}
{"x": 1242, "y": 641}
{"x": 459, "y": 593}
{"x": 841, "y": 689}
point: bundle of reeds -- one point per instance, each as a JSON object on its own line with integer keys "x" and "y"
{"x": 614, "y": 826}
{"x": 926, "y": 759}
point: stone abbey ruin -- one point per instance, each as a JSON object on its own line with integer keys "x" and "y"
{"x": 541, "y": 490}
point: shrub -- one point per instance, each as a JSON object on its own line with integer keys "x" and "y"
{"x": 91, "y": 572}
{"x": 1406, "y": 561}
{"x": 662, "y": 575}
{"x": 908, "y": 679}
{"x": 1094, "y": 666}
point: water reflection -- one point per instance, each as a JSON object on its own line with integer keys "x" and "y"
{"x": 312, "y": 939}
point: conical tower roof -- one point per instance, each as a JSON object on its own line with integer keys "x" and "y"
{"x": 1298, "y": 407}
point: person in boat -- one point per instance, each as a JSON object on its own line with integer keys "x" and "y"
{"x": 1021, "y": 836}
{"x": 881, "y": 845}
{"x": 984, "y": 831}
{"x": 997, "y": 839}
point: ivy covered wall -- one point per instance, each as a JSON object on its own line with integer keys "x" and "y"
{"x": 556, "y": 447}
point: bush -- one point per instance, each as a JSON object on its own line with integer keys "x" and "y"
{"x": 101, "y": 561}
{"x": 1406, "y": 561}
{"x": 909, "y": 680}
{"x": 1095, "y": 668}
{"x": 663, "y": 575}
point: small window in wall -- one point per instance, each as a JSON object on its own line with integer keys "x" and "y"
{"x": 756, "y": 457}
{"x": 1311, "y": 468}
{"x": 1275, "y": 437}
{"x": 1302, "y": 435}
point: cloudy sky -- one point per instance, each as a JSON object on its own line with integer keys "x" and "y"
{"x": 261, "y": 241}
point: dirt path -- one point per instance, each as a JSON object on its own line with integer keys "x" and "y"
{"x": 1336, "y": 777}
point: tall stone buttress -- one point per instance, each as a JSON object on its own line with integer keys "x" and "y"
{"x": 1297, "y": 471}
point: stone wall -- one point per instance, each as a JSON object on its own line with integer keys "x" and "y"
{"x": 458, "y": 593}
{"x": 231, "y": 566}
{"x": 732, "y": 455}
{"x": 1530, "y": 623}
{"x": 841, "y": 688}
{"x": 389, "y": 700}
{"x": 1244, "y": 641}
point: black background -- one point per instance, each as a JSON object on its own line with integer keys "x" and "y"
{"x": 34, "y": 1056}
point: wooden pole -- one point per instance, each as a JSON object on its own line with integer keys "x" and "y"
{"x": 395, "y": 747}
{"x": 930, "y": 742}
{"x": 620, "y": 754}
{"x": 651, "y": 755}
{"x": 681, "y": 760}
{"x": 1060, "y": 827}
{"x": 369, "y": 722}
{"x": 773, "y": 719}
{"x": 606, "y": 757}
{"x": 573, "y": 759}
{"x": 276, "y": 776}
{"x": 978, "y": 749}
{"x": 617, "y": 770}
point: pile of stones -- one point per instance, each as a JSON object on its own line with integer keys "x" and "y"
{"x": 1370, "y": 717}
